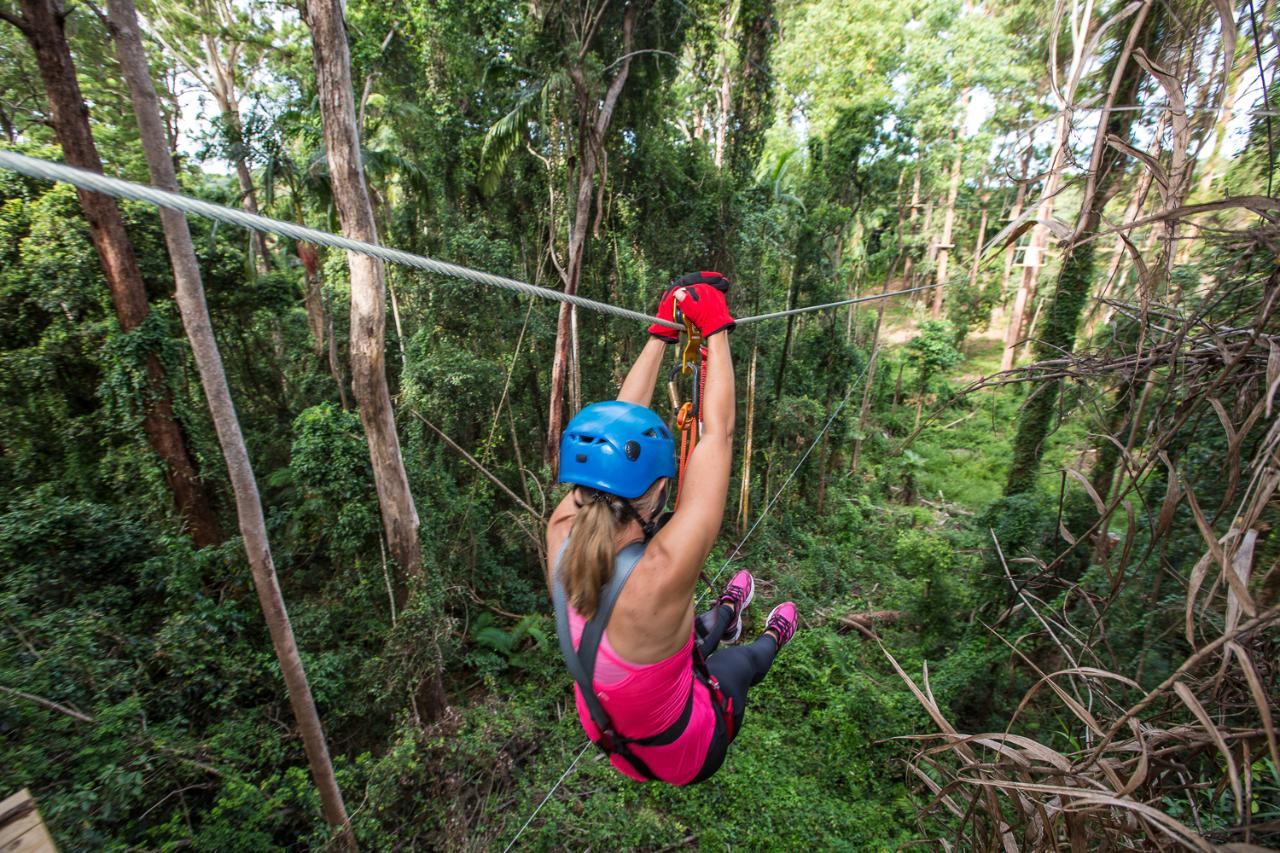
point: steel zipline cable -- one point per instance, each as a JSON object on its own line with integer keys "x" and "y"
{"x": 34, "y": 167}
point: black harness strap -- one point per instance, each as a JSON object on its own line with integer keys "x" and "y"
{"x": 581, "y": 661}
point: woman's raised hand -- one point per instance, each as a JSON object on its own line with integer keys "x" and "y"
{"x": 667, "y": 304}
{"x": 706, "y": 308}
{"x": 666, "y": 311}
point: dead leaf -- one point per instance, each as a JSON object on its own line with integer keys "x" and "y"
{"x": 1233, "y": 773}
{"x": 1260, "y": 699}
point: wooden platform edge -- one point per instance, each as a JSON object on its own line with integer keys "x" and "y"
{"x": 21, "y": 828}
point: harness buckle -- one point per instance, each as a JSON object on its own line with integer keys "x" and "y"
{"x": 607, "y": 740}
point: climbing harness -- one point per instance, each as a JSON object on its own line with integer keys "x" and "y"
{"x": 581, "y": 663}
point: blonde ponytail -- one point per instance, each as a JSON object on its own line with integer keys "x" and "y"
{"x": 588, "y": 560}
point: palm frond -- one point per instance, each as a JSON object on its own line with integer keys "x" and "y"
{"x": 506, "y": 134}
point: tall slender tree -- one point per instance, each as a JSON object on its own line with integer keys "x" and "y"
{"x": 1076, "y": 275}
{"x": 1084, "y": 30}
{"x": 948, "y": 227}
{"x": 43, "y": 24}
{"x": 332, "y": 60}
{"x": 195, "y": 318}
{"x": 593, "y": 115}
{"x": 595, "y": 46}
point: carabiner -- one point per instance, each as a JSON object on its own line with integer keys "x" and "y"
{"x": 695, "y": 405}
{"x": 692, "y": 344}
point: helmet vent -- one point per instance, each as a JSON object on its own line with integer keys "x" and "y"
{"x": 650, "y": 433}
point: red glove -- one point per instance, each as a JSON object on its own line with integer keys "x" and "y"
{"x": 705, "y": 306}
{"x": 666, "y": 311}
{"x": 667, "y": 305}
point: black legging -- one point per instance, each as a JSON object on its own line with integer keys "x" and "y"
{"x": 737, "y": 668}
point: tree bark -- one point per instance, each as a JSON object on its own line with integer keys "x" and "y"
{"x": 724, "y": 93}
{"x": 195, "y": 317}
{"x": 744, "y": 493}
{"x": 219, "y": 78}
{"x": 868, "y": 381}
{"x": 908, "y": 263}
{"x": 997, "y": 309}
{"x": 1033, "y": 258}
{"x": 313, "y": 297}
{"x": 976, "y": 261}
{"x": 43, "y": 25}
{"x": 368, "y": 284}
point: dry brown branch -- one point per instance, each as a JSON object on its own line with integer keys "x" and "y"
{"x": 864, "y": 622}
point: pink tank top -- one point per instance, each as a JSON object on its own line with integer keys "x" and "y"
{"x": 642, "y": 700}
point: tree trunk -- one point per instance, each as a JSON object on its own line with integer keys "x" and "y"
{"x": 368, "y": 285}
{"x": 1119, "y": 256}
{"x": 43, "y": 25}
{"x": 593, "y": 123}
{"x": 868, "y": 381}
{"x": 313, "y": 297}
{"x": 724, "y": 94}
{"x": 1231, "y": 93}
{"x": 368, "y": 307}
{"x": 1063, "y": 312}
{"x": 1033, "y": 258}
{"x": 753, "y": 92}
{"x": 931, "y": 251}
{"x": 948, "y": 224}
{"x": 222, "y": 85}
{"x": 976, "y": 262}
{"x": 792, "y": 287}
{"x": 908, "y": 262}
{"x": 195, "y": 317}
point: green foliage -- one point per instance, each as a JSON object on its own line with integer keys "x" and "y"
{"x": 932, "y": 351}
{"x": 937, "y": 596}
{"x": 330, "y": 474}
{"x": 470, "y": 145}
{"x": 497, "y": 649}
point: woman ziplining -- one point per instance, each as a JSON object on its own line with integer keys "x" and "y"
{"x": 652, "y": 690}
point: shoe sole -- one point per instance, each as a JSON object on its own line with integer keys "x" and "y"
{"x": 751, "y": 594}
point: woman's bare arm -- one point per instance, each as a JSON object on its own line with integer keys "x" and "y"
{"x": 638, "y": 386}
{"x": 686, "y": 540}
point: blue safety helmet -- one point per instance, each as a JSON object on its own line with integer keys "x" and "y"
{"x": 617, "y": 447}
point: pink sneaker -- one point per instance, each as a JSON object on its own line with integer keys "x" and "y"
{"x": 782, "y": 619}
{"x": 737, "y": 594}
